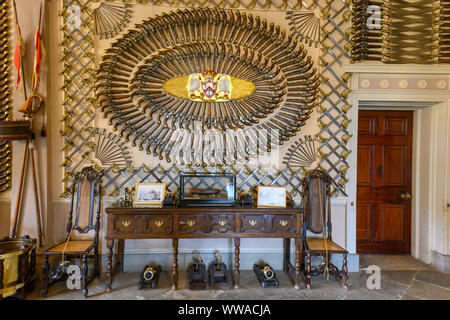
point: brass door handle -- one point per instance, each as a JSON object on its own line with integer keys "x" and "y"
{"x": 406, "y": 196}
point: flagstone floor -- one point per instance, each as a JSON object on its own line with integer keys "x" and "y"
{"x": 402, "y": 277}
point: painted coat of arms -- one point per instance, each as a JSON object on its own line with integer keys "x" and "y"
{"x": 209, "y": 86}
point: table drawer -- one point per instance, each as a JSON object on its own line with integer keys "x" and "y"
{"x": 158, "y": 224}
{"x": 223, "y": 223}
{"x": 269, "y": 223}
{"x": 191, "y": 224}
{"x": 284, "y": 224}
{"x": 254, "y": 223}
{"x": 126, "y": 224}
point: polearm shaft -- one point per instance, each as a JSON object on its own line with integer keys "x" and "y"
{"x": 20, "y": 54}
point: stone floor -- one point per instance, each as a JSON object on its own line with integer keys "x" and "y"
{"x": 402, "y": 277}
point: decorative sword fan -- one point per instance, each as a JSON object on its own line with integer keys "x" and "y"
{"x": 111, "y": 19}
{"x": 110, "y": 150}
{"x": 305, "y": 25}
{"x": 302, "y": 153}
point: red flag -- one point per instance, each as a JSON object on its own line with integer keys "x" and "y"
{"x": 19, "y": 53}
{"x": 38, "y": 55}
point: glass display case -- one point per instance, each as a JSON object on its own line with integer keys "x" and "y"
{"x": 207, "y": 190}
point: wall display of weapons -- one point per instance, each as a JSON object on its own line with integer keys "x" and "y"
{"x": 131, "y": 119}
{"x": 5, "y": 100}
{"x": 444, "y": 31}
{"x": 408, "y": 31}
{"x": 134, "y": 94}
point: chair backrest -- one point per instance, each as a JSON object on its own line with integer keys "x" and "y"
{"x": 316, "y": 202}
{"x": 86, "y": 186}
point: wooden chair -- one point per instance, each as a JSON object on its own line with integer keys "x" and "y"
{"x": 317, "y": 220}
{"x": 86, "y": 185}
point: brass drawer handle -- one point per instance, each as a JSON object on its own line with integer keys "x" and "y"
{"x": 159, "y": 223}
{"x": 126, "y": 224}
{"x": 222, "y": 222}
{"x": 252, "y": 222}
{"x": 283, "y": 223}
{"x": 190, "y": 223}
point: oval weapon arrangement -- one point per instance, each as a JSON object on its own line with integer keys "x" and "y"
{"x": 137, "y": 78}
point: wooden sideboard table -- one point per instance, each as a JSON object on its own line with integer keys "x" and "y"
{"x": 205, "y": 222}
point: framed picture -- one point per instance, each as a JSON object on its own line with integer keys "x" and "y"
{"x": 271, "y": 196}
{"x": 149, "y": 193}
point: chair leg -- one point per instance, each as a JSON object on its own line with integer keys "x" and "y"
{"x": 308, "y": 270}
{"x": 45, "y": 268}
{"x": 344, "y": 275}
{"x": 97, "y": 264}
{"x": 84, "y": 275}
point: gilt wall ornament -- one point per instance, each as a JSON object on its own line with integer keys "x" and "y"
{"x": 209, "y": 86}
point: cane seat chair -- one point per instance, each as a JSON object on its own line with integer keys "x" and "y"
{"x": 317, "y": 220}
{"x": 82, "y": 234}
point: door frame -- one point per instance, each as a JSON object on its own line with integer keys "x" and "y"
{"x": 423, "y": 239}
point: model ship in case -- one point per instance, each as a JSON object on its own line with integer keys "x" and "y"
{"x": 207, "y": 190}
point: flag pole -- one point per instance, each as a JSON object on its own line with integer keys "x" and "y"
{"x": 32, "y": 149}
{"x": 34, "y": 78}
{"x": 20, "y": 53}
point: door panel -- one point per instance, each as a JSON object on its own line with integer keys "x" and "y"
{"x": 394, "y": 126}
{"x": 392, "y": 222}
{"x": 363, "y": 222}
{"x": 384, "y": 174}
{"x": 366, "y": 125}
{"x": 365, "y": 163}
{"x": 394, "y": 166}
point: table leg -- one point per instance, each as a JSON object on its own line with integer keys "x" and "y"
{"x": 175, "y": 264}
{"x": 109, "y": 253}
{"x": 237, "y": 243}
{"x": 287, "y": 254}
{"x": 298, "y": 255}
{"x": 121, "y": 249}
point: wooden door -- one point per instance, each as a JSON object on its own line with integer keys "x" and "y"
{"x": 383, "y": 212}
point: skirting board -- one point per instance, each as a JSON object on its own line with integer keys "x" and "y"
{"x": 135, "y": 262}
{"x": 440, "y": 261}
